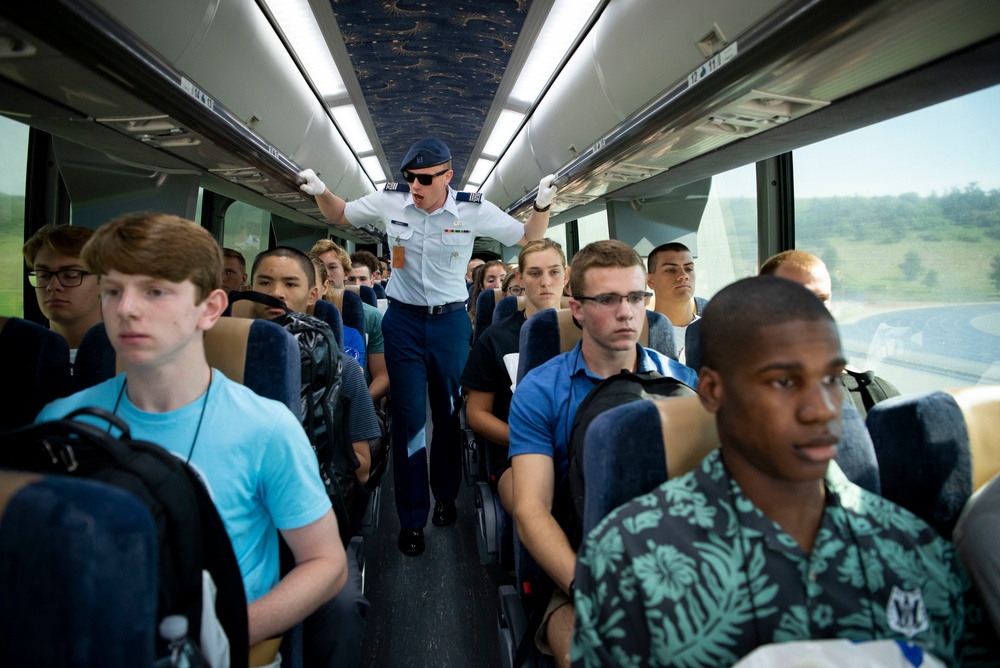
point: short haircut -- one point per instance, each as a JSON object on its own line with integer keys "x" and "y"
{"x": 159, "y": 245}
{"x": 326, "y": 245}
{"x": 609, "y": 253}
{"x": 287, "y": 251}
{"x": 732, "y": 321}
{"x": 654, "y": 255}
{"x": 536, "y": 246}
{"x": 63, "y": 239}
{"x": 798, "y": 259}
{"x": 365, "y": 258}
{"x": 236, "y": 255}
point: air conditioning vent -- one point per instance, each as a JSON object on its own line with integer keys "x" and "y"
{"x": 755, "y": 112}
{"x": 630, "y": 173}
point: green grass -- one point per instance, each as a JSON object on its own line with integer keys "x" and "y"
{"x": 873, "y": 270}
{"x": 11, "y": 261}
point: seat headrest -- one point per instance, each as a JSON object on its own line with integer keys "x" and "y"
{"x": 569, "y": 332}
{"x": 226, "y": 346}
{"x": 336, "y": 296}
{"x": 689, "y": 433}
{"x": 980, "y": 407}
{"x": 242, "y": 309}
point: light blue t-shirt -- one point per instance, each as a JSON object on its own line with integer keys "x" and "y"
{"x": 251, "y": 453}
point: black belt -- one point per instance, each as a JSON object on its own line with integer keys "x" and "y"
{"x": 428, "y": 310}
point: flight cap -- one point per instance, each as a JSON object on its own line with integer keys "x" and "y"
{"x": 426, "y": 153}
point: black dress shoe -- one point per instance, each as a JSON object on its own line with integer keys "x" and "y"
{"x": 411, "y": 542}
{"x": 444, "y": 513}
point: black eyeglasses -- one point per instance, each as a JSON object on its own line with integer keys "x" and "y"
{"x": 68, "y": 278}
{"x": 425, "y": 179}
{"x": 611, "y": 302}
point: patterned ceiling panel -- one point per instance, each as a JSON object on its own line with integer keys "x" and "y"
{"x": 429, "y": 68}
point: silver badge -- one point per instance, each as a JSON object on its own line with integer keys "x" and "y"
{"x": 906, "y": 613}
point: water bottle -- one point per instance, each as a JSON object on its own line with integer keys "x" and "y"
{"x": 183, "y": 652}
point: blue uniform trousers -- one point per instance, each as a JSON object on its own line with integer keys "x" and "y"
{"x": 425, "y": 353}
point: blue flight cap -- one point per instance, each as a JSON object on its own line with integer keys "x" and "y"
{"x": 426, "y": 153}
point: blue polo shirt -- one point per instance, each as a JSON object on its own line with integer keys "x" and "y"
{"x": 438, "y": 245}
{"x": 544, "y": 403}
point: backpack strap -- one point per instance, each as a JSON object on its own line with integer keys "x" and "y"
{"x": 260, "y": 298}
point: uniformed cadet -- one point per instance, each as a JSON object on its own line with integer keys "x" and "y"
{"x": 431, "y": 229}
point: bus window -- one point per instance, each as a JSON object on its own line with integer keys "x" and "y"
{"x": 905, "y": 215}
{"x": 727, "y": 234}
{"x": 247, "y": 229}
{"x": 558, "y": 233}
{"x": 13, "y": 171}
{"x": 592, "y": 228}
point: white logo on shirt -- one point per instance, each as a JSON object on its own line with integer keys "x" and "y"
{"x": 906, "y": 613}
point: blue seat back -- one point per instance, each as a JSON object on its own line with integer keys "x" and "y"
{"x": 553, "y": 331}
{"x": 631, "y": 449}
{"x": 692, "y": 345}
{"x": 617, "y": 465}
{"x": 330, "y": 314}
{"x": 259, "y": 354}
{"x": 256, "y": 353}
{"x": 924, "y": 455}
{"x": 379, "y": 291}
{"x": 348, "y": 301}
{"x": 508, "y": 305}
{"x": 96, "y": 360}
{"x": 485, "y": 303}
{"x": 78, "y": 572}
{"x": 35, "y": 363}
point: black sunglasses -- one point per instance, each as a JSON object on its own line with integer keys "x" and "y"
{"x": 425, "y": 179}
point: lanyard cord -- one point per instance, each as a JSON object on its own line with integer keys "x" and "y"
{"x": 197, "y": 430}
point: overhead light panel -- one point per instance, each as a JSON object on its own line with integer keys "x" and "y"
{"x": 297, "y": 21}
{"x": 350, "y": 123}
{"x": 373, "y": 167}
{"x": 482, "y": 169}
{"x": 562, "y": 27}
{"x": 503, "y": 130}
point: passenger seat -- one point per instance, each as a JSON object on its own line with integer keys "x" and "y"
{"x": 35, "y": 362}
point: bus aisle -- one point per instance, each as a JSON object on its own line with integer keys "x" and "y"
{"x": 438, "y": 609}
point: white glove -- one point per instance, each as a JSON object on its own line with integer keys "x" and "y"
{"x": 311, "y": 185}
{"x": 546, "y": 192}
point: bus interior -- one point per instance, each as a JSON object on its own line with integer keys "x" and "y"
{"x": 858, "y": 130}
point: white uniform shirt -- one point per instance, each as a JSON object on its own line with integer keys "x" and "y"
{"x": 438, "y": 246}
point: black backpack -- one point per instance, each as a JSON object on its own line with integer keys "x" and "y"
{"x": 864, "y": 389}
{"x": 325, "y": 411}
{"x": 622, "y": 388}
{"x": 190, "y": 534}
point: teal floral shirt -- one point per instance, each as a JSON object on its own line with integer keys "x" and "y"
{"x": 693, "y": 574}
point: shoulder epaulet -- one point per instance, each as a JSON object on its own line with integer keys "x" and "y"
{"x": 475, "y": 198}
{"x": 396, "y": 187}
